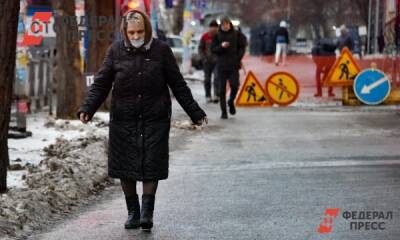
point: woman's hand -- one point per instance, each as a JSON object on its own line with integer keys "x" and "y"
{"x": 84, "y": 117}
{"x": 202, "y": 121}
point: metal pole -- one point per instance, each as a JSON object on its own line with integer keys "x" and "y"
{"x": 50, "y": 81}
{"x": 369, "y": 27}
{"x": 377, "y": 15}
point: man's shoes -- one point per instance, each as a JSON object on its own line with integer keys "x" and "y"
{"x": 232, "y": 109}
{"x": 209, "y": 100}
{"x": 224, "y": 115}
{"x": 215, "y": 100}
{"x": 146, "y": 215}
{"x": 132, "y": 203}
{"x": 318, "y": 95}
{"x": 331, "y": 95}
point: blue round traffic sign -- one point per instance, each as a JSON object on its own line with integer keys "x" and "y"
{"x": 371, "y": 87}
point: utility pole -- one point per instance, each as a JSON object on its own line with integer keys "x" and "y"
{"x": 369, "y": 27}
{"x": 377, "y": 15}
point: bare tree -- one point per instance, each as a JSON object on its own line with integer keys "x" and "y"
{"x": 70, "y": 85}
{"x": 9, "y": 10}
{"x": 361, "y": 6}
{"x": 247, "y": 10}
{"x": 100, "y": 35}
{"x": 305, "y": 13}
{"x": 318, "y": 15}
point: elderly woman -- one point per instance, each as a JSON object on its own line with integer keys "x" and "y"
{"x": 139, "y": 69}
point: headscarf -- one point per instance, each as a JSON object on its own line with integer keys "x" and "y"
{"x": 137, "y": 17}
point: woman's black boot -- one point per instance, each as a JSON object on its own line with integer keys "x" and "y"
{"x": 146, "y": 215}
{"x": 132, "y": 203}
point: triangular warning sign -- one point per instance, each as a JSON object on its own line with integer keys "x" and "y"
{"x": 343, "y": 72}
{"x": 252, "y": 93}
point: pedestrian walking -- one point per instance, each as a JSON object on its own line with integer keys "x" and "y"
{"x": 345, "y": 39}
{"x": 324, "y": 56}
{"x": 139, "y": 70}
{"x": 209, "y": 60}
{"x": 230, "y": 48}
{"x": 282, "y": 43}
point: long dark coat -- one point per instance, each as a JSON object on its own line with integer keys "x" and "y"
{"x": 140, "y": 108}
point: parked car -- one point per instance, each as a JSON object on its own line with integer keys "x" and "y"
{"x": 196, "y": 59}
{"x": 176, "y": 44}
{"x": 301, "y": 46}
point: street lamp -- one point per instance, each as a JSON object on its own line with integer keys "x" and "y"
{"x": 133, "y": 4}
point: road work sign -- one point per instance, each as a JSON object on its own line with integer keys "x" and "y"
{"x": 371, "y": 87}
{"x": 343, "y": 72}
{"x": 282, "y": 88}
{"x": 252, "y": 93}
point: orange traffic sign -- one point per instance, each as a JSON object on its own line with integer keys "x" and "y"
{"x": 343, "y": 72}
{"x": 282, "y": 88}
{"x": 252, "y": 93}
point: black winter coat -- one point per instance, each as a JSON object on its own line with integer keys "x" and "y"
{"x": 282, "y": 33}
{"x": 140, "y": 111}
{"x": 228, "y": 59}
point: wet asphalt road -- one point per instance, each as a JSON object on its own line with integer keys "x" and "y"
{"x": 266, "y": 173}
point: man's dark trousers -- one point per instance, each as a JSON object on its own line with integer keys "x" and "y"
{"x": 209, "y": 69}
{"x": 231, "y": 76}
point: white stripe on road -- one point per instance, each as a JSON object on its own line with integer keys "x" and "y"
{"x": 283, "y": 165}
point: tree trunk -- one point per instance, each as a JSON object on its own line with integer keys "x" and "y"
{"x": 178, "y": 17}
{"x": 70, "y": 84}
{"x": 9, "y": 11}
{"x": 100, "y": 35}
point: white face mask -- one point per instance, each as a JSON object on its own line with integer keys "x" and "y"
{"x": 137, "y": 43}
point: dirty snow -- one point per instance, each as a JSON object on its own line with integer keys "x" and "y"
{"x": 45, "y": 131}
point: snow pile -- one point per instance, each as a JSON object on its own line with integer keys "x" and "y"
{"x": 56, "y": 170}
{"x": 45, "y": 131}
{"x": 71, "y": 173}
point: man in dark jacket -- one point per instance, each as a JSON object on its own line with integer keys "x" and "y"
{"x": 229, "y": 47}
{"x": 345, "y": 39}
{"x": 209, "y": 61}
